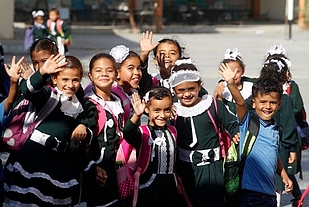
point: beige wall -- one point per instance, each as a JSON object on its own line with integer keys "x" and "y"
{"x": 6, "y": 19}
{"x": 276, "y": 9}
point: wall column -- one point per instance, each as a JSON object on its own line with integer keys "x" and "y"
{"x": 7, "y": 13}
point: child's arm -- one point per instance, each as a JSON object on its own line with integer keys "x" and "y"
{"x": 146, "y": 46}
{"x": 285, "y": 178}
{"x": 228, "y": 74}
{"x": 14, "y": 73}
{"x": 138, "y": 106}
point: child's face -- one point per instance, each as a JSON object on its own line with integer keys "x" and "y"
{"x": 53, "y": 15}
{"x": 234, "y": 65}
{"x": 68, "y": 81}
{"x": 187, "y": 93}
{"x": 103, "y": 74}
{"x": 130, "y": 74}
{"x": 266, "y": 105}
{"x": 39, "y": 19}
{"x": 168, "y": 53}
{"x": 38, "y": 58}
{"x": 159, "y": 111}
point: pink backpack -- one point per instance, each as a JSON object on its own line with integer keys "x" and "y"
{"x": 24, "y": 122}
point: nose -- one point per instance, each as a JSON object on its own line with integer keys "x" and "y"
{"x": 70, "y": 84}
{"x": 187, "y": 94}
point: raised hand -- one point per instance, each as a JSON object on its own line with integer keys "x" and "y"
{"x": 15, "y": 71}
{"x": 227, "y": 73}
{"x": 27, "y": 70}
{"x": 53, "y": 64}
{"x": 145, "y": 42}
{"x": 138, "y": 104}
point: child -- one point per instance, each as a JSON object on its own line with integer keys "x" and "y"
{"x": 199, "y": 159}
{"x": 37, "y": 30}
{"x": 44, "y": 171}
{"x": 258, "y": 187}
{"x": 277, "y": 68}
{"x": 105, "y": 141}
{"x": 243, "y": 83}
{"x": 40, "y": 30}
{"x": 59, "y": 31}
{"x": 157, "y": 185}
{"x": 165, "y": 52}
{"x": 14, "y": 74}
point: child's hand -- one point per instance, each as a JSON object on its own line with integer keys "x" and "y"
{"x": 288, "y": 184}
{"x": 236, "y": 138}
{"x": 138, "y": 104}
{"x": 27, "y": 72}
{"x": 165, "y": 70}
{"x": 15, "y": 71}
{"x": 227, "y": 73}
{"x": 100, "y": 176}
{"x": 53, "y": 64}
{"x": 292, "y": 157}
{"x": 146, "y": 43}
{"x": 79, "y": 133}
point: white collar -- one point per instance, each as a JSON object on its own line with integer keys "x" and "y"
{"x": 198, "y": 109}
{"x": 245, "y": 92}
{"x": 71, "y": 107}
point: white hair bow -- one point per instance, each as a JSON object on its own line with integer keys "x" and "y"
{"x": 119, "y": 53}
{"x": 232, "y": 54}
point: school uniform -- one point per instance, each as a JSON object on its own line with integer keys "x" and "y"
{"x": 44, "y": 172}
{"x": 199, "y": 161}
{"x": 39, "y": 31}
{"x": 157, "y": 185}
{"x": 102, "y": 151}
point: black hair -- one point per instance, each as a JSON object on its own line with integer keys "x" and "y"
{"x": 99, "y": 56}
{"x": 240, "y": 62}
{"x": 44, "y": 44}
{"x": 267, "y": 85}
{"x": 158, "y": 93}
{"x": 276, "y": 68}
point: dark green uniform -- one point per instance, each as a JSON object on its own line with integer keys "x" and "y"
{"x": 199, "y": 159}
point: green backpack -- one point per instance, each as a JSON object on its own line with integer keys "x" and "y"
{"x": 233, "y": 165}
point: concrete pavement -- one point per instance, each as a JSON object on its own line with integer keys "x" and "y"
{"x": 206, "y": 45}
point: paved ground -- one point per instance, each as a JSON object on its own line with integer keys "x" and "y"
{"x": 206, "y": 45}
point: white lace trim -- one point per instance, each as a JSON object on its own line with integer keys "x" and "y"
{"x": 198, "y": 109}
{"x": 246, "y": 91}
{"x": 71, "y": 107}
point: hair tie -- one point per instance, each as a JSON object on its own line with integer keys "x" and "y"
{"x": 119, "y": 53}
{"x": 232, "y": 54}
{"x": 37, "y": 13}
{"x": 279, "y": 63}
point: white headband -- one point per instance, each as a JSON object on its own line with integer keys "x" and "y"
{"x": 232, "y": 54}
{"x": 37, "y": 13}
{"x": 119, "y": 53}
{"x": 184, "y": 76}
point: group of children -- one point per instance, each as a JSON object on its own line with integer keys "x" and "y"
{"x": 53, "y": 27}
{"x": 70, "y": 157}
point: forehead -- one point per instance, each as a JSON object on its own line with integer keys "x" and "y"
{"x": 167, "y": 46}
{"x": 271, "y": 96}
{"x": 166, "y": 102}
{"x": 187, "y": 85}
{"x": 70, "y": 73}
{"x": 38, "y": 55}
{"x": 132, "y": 60}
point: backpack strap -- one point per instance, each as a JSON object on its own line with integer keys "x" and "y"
{"x": 101, "y": 116}
{"x": 224, "y": 141}
{"x": 44, "y": 112}
{"x": 143, "y": 159}
{"x": 124, "y": 99}
{"x": 59, "y": 23}
{"x": 173, "y": 131}
{"x": 251, "y": 135}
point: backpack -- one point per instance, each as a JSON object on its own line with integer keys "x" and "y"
{"x": 59, "y": 24}
{"x": 24, "y": 121}
{"x": 28, "y": 40}
{"x": 233, "y": 166}
{"x": 224, "y": 136}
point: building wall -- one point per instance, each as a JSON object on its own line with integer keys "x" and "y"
{"x": 7, "y": 13}
{"x": 275, "y": 9}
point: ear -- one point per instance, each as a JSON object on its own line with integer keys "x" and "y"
{"x": 90, "y": 76}
{"x": 54, "y": 80}
{"x": 253, "y": 103}
{"x": 147, "y": 109}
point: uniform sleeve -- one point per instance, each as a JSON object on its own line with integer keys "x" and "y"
{"x": 132, "y": 134}
{"x": 66, "y": 30}
{"x": 146, "y": 81}
{"x": 227, "y": 118}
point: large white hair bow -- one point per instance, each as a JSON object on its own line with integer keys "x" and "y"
{"x": 232, "y": 54}
{"x": 119, "y": 53}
